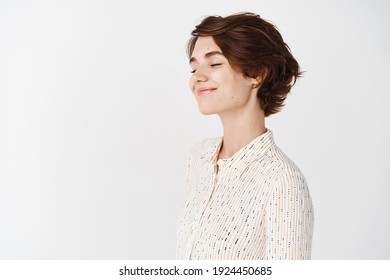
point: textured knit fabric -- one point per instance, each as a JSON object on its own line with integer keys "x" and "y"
{"x": 253, "y": 205}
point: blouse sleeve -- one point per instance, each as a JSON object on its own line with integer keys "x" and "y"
{"x": 289, "y": 219}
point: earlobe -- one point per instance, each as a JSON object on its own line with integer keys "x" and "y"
{"x": 260, "y": 78}
{"x": 255, "y": 85}
{"x": 256, "y": 82}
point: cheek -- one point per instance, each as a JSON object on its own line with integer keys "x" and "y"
{"x": 191, "y": 84}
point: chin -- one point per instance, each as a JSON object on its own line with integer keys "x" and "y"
{"x": 207, "y": 111}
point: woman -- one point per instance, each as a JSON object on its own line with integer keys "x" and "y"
{"x": 245, "y": 199}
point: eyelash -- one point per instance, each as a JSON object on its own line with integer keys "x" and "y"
{"x": 212, "y": 65}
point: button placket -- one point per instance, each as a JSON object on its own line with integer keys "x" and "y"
{"x": 212, "y": 173}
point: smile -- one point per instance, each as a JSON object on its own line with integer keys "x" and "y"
{"x": 204, "y": 91}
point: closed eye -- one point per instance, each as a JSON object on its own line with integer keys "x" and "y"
{"x": 212, "y": 65}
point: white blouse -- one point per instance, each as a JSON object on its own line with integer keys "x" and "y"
{"x": 253, "y": 205}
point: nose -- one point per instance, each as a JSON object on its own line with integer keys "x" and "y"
{"x": 199, "y": 76}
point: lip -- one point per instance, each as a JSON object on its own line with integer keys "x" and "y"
{"x": 204, "y": 90}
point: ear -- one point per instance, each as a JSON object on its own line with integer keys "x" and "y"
{"x": 260, "y": 78}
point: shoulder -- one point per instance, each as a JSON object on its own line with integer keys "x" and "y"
{"x": 289, "y": 170}
{"x": 290, "y": 182}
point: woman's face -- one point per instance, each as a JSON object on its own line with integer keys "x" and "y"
{"x": 217, "y": 87}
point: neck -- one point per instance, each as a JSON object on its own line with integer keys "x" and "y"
{"x": 240, "y": 128}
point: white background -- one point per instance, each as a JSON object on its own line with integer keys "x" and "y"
{"x": 96, "y": 118}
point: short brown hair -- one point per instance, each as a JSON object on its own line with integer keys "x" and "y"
{"x": 255, "y": 47}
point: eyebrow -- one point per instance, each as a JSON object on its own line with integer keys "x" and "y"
{"x": 207, "y": 55}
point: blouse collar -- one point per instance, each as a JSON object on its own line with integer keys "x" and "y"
{"x": 254, "y": 149}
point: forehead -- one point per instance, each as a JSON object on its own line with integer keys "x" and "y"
{"x": 204, "y": 45}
